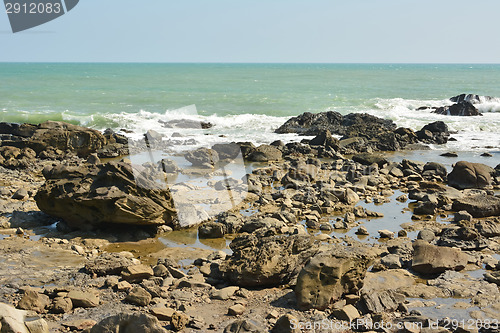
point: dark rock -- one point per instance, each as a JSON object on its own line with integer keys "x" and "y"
{"x": 459, "y": 109}
{"x": 436, "y": 132}
{"x": 434, "y": 169}
{"x": 325, "y": 139}
{"x": 369, "y": 159}
{"x": 211, "y": 230}
{"x": 471, "y": 98}
{"x": 286, "y": 324}
{"x": 88, "y": 196}
{"x": 479, "y": 205}
{"x": 470, "y": 175}
{"x": 242, "y": 326}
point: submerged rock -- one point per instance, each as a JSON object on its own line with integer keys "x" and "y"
{"x": 92, "y": 195}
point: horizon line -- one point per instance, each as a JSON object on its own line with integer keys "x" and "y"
{"x": 248, "y": 63}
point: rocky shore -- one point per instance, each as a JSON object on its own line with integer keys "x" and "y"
{"x": 81, "y": 229}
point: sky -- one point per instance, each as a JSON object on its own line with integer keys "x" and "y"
{"x": 263, "y": 31}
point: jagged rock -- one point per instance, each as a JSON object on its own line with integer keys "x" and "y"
{"x": 90, "y": 195}
{"x": 431, "y": 259}
{"x": 383, "y": 301}
{"x": 129, "y": 323}
{"x": 202, "y": 157}
{"x": 463, "y": 108}
{"x": 330, "y": 274}
{"x": 470, "y": 175}
{"x": 436, "y": 132}
{"x": 479, "y": 205}
{"x": 138, "y": 296}
{"x": 266, "y": 261}
{"x": 325, "y": 139}
{"x": 55, "y": 134}
{"x": 32, "y": 300}
{"x": 471, "y": 98}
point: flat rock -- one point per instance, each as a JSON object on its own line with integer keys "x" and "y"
{"x": 137, "y": 273}
{"x": 432, "y": 259}
{"x": 84, "y": 299}
{"x": 479, "y": 205}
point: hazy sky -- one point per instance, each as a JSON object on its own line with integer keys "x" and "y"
{"x": 439, "y": 31}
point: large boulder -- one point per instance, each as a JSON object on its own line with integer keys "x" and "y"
{"x": 90, "y": 195}
{"x": 129, "y": 323}
{"x": 432, "y": 259}
{"x": 19, "y": 321}
{"x": 330, "y": 274}
{"x": 54, "y": 134}
{"x": 267, "y": 261}
{"x": 478, "y": 205}
{"x": 470, "y": 175}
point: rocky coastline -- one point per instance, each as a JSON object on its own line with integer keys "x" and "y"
{"x": 79, "y": 230}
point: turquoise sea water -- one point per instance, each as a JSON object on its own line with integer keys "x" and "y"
{"x": 245, "y": 100}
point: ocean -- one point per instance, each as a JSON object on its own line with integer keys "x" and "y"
{"x": 246, "y": 102}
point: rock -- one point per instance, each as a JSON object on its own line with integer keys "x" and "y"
{"x": 32, "y": 300}
{"x": 471, "y": 98}
{"x": 138, "y": 296}
{"x": 56, "y": 135}
{"x": 381, "y": 301}
{"x": 152, "y": 135}
{"x": 186, "y": 123}
{"x": 163, "y": 313}
{"x": 470, "y": 175}
{"x": 93, "y": 159}
{"x": 479, "y": 205}
{"x": 179, "y": 321}
{"x": 211, "y": 230}
{"x": 80, "y": 324}
{"x": 386, "y": 234}
{"x": 169, "y": 166}
{"x": 236, "y": 310}
{"x": 12, "y": 320}
{"x": 20, "y": 194}
{"x": 431, "y": 259}
{"x": 449, "y": 154}
{"x": 265, "y": 153}
{"x": 203, "y": 157}
{"x": 369, "y": 159}
{"x": 227, "y": 151}
{"x": 242, "y": 326}
{"x": 488, "y": 228}
{"x": 425, "y": 208}
{"x": 224, "y": 293}
{"x": 362, "y": 231}
{"x": 434, "y": 169}
{"x": 436, "y": 132}
{"x": 462, "y": 216}
{"x": 137, "y": 273}
{"x": 129, "y": 323}
{"x": 84, "y": 299}
{"x": 123, "y": 286}
{"x": 325, "y": 139}
{"x": 61, "y": 305}
{"x": 463, "y": 108}
{"x": 38, "y": 325}
{"x": 108, "y": 264}
{"x": 493, "y": 277}
{"x": 426, "y": 235}
{"x": 328, "y": 275}
{"x": 349, "y": 197}
{"x": 286, "y": 324}
{"x": 266, "y": 261}
{"x": 347, "y": 313}
{"x": 391, "y": 261}
{"x": 88, "y": 196}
